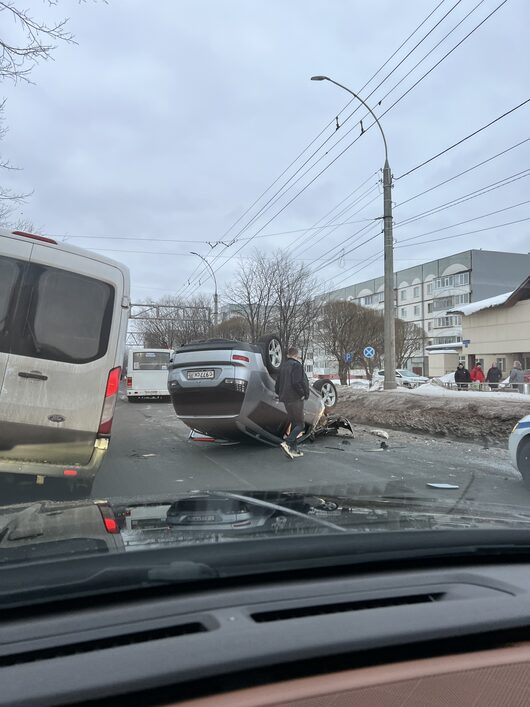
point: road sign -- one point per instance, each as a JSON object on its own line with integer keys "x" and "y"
{"x": 369, "y": 352}
{"x": 348, "y": 357}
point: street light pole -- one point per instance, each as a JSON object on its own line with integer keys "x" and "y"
{"x": 389, "y": 325}
{"x": 215, "y": 296}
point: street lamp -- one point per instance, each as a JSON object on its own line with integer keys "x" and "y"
{"x": 215, "y": 296}
{"x": 389, "y": 327}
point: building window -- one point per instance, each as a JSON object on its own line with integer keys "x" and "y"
{"x": 417, "y": 310}
{"x": 429, "y": 326}
{"x": 501, "y": 363}
{"x": 429, "y": 288}
{"x": 403, "y": 313}
{"x": 380, "y": 297}
{"x": 443, "y": 303}
{"x": 403, "y": 295}
{"x": 443, "y": 322}
{"x": 429, "y": 307}
{"x": 461, "y": 299}
{"x": 437, "y": 340}
{"x": 368, "y": 299}
{"x": 416, "y": 292}
{"x": 461, "y": 278}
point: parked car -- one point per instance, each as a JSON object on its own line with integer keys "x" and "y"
{"x": 225, "y": 389}
{"x": 519, "y": 446}
{"x": 404, "y": 377}
{"x": 63, "y": 321}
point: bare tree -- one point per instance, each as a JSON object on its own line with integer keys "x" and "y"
{"x": 336, "y": 331}
{"x": 26, "y": 41}
{"x": 234, "y": 328}
{"x": 409, "y": 340}
{"x": 9, "y": 201}
{"x": 252, "y": 295}
{"x": 172, "y": 322}
{"x": 346, "y": 327}
{"x": 295, "y": 307}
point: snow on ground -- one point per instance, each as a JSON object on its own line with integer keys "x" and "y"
{"x": 432, "y": 388}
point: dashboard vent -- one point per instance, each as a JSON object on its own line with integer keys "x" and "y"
{"x": 103, "y": 643}
{"x": 299, "y": 612}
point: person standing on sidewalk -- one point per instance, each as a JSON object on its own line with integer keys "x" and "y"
{"x": 462, "y": 377}
{"x": 493, "y": 376}
{"x": 477, "y": 374}
{"x": 292, "y": 388}
{"x": 517, "y": 376}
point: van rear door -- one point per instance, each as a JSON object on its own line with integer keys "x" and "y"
{"x": 65, "y": 342}
{"x": 13, "y": 261}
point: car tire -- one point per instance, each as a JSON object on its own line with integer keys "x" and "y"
{"x": 272, "y": 353}
{"x": 523, "y": 460}
{"x": 328, "y": 392}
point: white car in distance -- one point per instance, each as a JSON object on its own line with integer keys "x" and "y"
{"x": 404, "y": 377}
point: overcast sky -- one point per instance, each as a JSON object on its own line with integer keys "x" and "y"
{"x": 168, "y": 119}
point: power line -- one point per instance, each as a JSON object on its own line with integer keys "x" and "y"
{"x": 419, "y": 26}
{"x": 384, "y": 113}
{"x": 467, "y": 197}
{"x": 460, "y": 174}
{"x": 467, "y": 233}
{"x": 476, "y": 132}
{"x": 469, "y": 220}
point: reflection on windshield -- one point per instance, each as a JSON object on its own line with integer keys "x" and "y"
{"x": 227, "y": 317}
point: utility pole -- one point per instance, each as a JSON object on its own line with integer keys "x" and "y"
{"x": 389, "y": 305}
{"x": 215, "y": 296}
{"x": 389, "y": 308}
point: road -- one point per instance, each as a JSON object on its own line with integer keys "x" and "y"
{"x": 150, "y": 455}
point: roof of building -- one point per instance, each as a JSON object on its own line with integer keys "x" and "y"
{"x": 507, "y": 299}
{"x": 432, "y": 348}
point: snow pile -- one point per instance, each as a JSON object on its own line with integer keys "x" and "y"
{"x": 467, "y": 309}
{"x": 434, "y": 388}
{"x": 448, "y": 378}
{"x": 359, "y": 384}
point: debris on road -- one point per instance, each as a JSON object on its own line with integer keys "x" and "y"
{"x": 379, "y": 433}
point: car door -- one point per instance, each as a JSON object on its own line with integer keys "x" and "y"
{"x": 63, "y": 347}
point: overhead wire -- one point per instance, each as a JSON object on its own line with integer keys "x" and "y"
{"x": 385, "y": 112}
{"x": 423, "y": 22}
{"x": 476, "y": 132}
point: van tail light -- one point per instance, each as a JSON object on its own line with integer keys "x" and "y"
{"x": 129, "y": 382}
{"x": 111, "y": 395}
{"x": 238, "y": 357}
{"x": 34, "y": 237}
{"x": 109, "y": 521}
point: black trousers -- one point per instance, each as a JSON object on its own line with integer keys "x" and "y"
{"x": 295, "y": 415}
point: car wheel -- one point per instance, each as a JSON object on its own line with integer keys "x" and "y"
{"x": 328, "y": 393}
{"x": 271, "y": 351}
{"x": 523, "y": 460}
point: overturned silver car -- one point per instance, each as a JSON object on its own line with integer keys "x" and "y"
{"x": 224, "y": 389}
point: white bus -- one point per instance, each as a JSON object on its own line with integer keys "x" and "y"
{"x": 147, "y": 371}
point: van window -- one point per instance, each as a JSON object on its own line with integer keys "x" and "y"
{"x": 10, "y": 270}
{"x": 69, "y": 316}
{"x": 150, "y": 360}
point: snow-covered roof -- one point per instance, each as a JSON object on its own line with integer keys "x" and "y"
{"x": 444, "y": 351}
{"x": 474, "y": 307}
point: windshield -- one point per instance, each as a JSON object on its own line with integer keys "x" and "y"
{"x": 150, "y": 360}
{"x": 244, "y": 301}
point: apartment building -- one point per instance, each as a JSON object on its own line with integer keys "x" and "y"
{"x": 425, "y": 294}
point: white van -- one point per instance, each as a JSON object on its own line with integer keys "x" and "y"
{"x": 147, "y": 371}
{"x": 63, "y": 322}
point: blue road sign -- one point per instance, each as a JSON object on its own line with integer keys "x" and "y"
{"x": 348, "y": 357}
{"x": 369, "y": 352}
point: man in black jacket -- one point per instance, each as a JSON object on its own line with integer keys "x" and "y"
{"x": 462, "y": 377}
{"x": 292, "y": 388}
